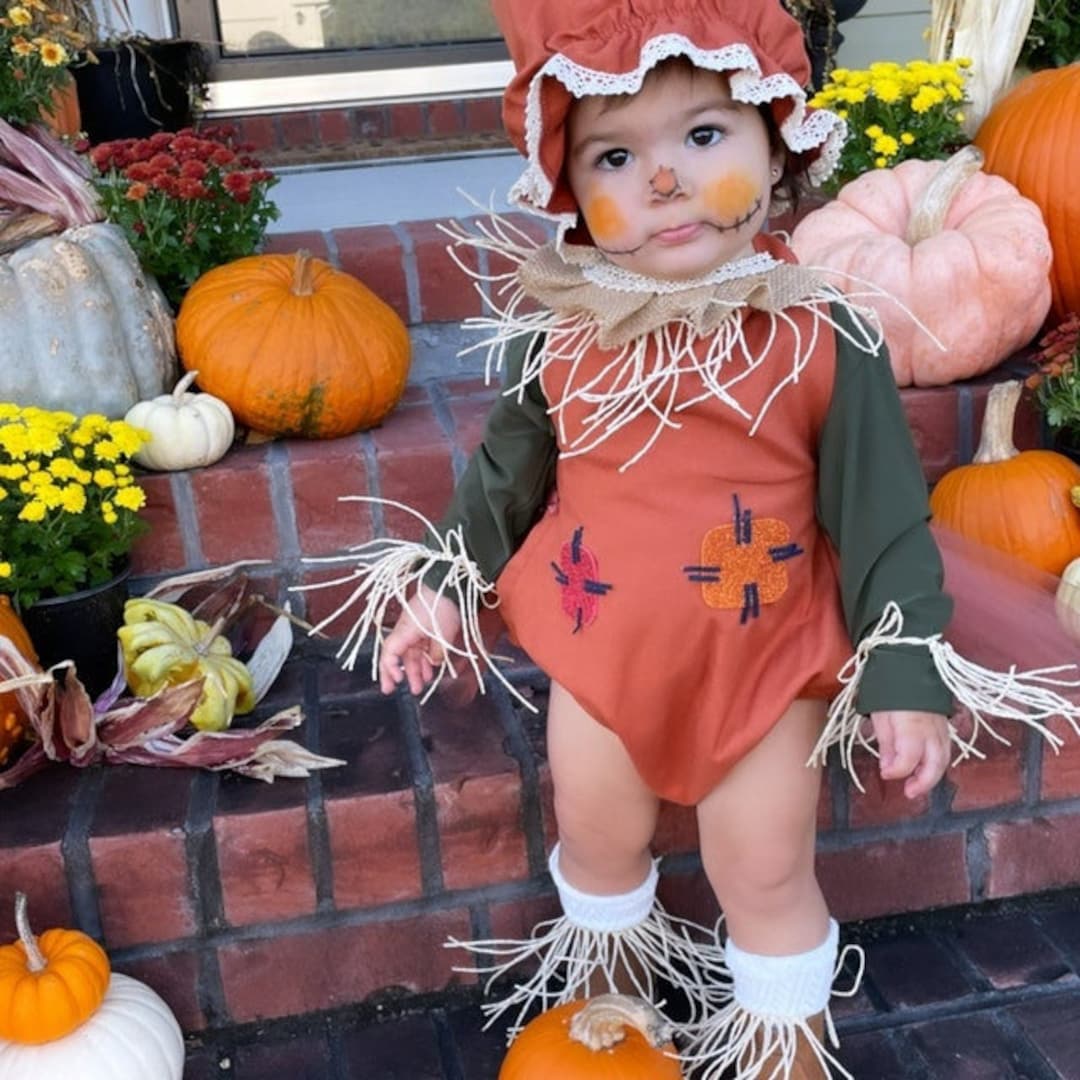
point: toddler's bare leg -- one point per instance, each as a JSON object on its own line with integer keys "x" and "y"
{"x": 605, "y": 813}
{"x": 757, "y": 840}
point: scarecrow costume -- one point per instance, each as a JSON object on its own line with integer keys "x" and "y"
{"x": 738, "y": 501}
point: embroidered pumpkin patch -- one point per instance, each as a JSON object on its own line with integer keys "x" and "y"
{"x": 742, "y": 564}
{"x": 577, "y": 575}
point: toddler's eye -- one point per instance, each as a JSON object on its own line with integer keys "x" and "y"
{"x": 706, "y": 135}
{"x": 613, "y": 159}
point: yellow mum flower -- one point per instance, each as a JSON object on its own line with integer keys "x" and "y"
{"x": 3, "y": 494}
{"x": 12, "y": 472}
{"x": 32, "y": 511}
{"x": 852, "y": 95}
{"x": 63, "y": 468}
{"x": 74, "y": 499}
{"x": 887, "y": 90}
{"x": 5, "y": 569}
{"x": 960, "y": 117}
{"x": 122, "y": 470}
{"x": 53, "y": 54}
{"x": 886, "y": 145}
{"x": 107, "y": 450}
{"x": 126, "y": 437}
{"x": 104, "y": 479}
{"x": 21, "y": 47}
{"x": 907, "y": 138}
{"x": 842, "y": 113}
{"x": 49, "y": 495}
{"x": 34, "y": 466}
{"x": 131, "y": 498}
{"x": 9, "y": 410}
{"x": 962, "y": 61}
{"x": 78, "y": 453}
{"x": 881, "y": 163}
{"x": 840, "y": 75}
{"x": 19, "y": 16}
{"x": 109, "y": 517}
{"x": 875, "y": 131}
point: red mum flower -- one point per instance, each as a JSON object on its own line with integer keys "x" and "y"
{"x": 237, "y": 184}
{"x": 222, "y": 155}
{"x": 191, "y": 188}
{"x": 138, "y": 149}
{"x": 163, "y": 163}
{"x": 193, "y": 170}
{"x": 140, "y": 170}
{"x": 161, "y": 140}
{"x": 165, "y": 182}
{"x": 102, "y": 156}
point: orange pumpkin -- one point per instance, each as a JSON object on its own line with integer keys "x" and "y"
{"x": 1015, "y": 501}
{"x": 13, "y": 725}
{"x": 607, "y": 1038}
{"x": 1028, "y": 138}
{"x": 50, "y": 985}
{"x": 293, "y": 346}
{"x": 962, "y": 251}
{"x": 65, "y": 117}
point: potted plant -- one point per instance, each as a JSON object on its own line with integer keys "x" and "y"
{"x": 131, "y": 85}
{"x": 68, "y": 518}
{"x": 1053, "y": 40}
{"x": 186, "y": 202}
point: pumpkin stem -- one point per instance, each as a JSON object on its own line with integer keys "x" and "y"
{"x": 302, "y": 283}
{"x": 604, "y": 1020}
{"x": 181, "y": 387}
{"x": 35, "y": 961}
{"x": 929, "y": 213}
{"x": 996, "y": 441}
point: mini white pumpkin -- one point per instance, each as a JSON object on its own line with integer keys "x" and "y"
{"x": 132, "y": 1036}
{"x": 187, "y": 429}
{"x": 1067, "y": 598}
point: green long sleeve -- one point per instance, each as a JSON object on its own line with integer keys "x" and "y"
{"x": 872, "y": 502}
{"x": 506, "y": 482}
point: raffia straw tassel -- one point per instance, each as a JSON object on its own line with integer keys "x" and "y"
{"x": 385, "y": 572}
{"x": 1030, "y": 698}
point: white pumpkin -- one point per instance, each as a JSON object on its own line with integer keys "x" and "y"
{"x": 132, "y": 1036}
{"x": 187, "y": 429}
{"x": 1067, "y": 599}
{"x": 81, "y": 327}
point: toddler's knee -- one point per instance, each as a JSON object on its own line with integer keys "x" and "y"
{"x": 764, "y": 880}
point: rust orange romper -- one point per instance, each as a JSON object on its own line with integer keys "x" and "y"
{"x": 687, "y": 601}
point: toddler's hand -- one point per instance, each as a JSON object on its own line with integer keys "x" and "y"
{"x": 914, "y": 747}
{"x": 409, "y": 652}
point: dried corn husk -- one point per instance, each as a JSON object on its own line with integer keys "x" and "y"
{"x": 991, "y": 34}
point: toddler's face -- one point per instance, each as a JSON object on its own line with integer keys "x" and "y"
{"x": 675, "y": 180}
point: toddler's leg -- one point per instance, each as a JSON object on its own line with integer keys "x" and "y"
{"x": 612, "y": 935}
{"x": 757, "y": 844}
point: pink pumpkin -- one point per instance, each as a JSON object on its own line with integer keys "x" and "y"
{"x": 964, "y": 252}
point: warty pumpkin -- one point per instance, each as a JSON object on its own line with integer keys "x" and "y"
{"x": 293, "y": 346}
{"x": 14, "y": 727}
{"x": 1012, "y": 500}
{"x": 963, "y": 252}
{"x": 64, "y": 1013}
{"x": 1030, "y": 138}
{"x": 164, "y": 645}
{"x": 611, "y": 1037}
{"x": 81, "y": 327}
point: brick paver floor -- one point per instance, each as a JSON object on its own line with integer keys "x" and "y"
{"x": 982, "y": 993}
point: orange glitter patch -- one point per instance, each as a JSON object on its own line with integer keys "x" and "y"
{"x": 745, "y": 564}
{"x": 732, "y": 197}
{"x": 604, "y": 218}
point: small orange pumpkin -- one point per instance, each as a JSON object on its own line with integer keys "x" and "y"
{"x": 611, "y": 1037}
{"x": 293, "y": 346}
{"x": 1012, "y": 500}
{"x": 1028, "y": 138}
{"x": 50, "y": 985}
{"x": 13, "y": 725}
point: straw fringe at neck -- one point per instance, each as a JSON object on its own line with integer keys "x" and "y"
{"x": 671, "y": 345}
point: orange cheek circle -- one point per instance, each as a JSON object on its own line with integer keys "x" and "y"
{"x": 604, "y": 219}
{"x": 732, "y": 197}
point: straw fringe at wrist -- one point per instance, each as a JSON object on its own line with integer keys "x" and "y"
{"x": 388, "y": 571}
{"x": 569, "y": 954}
{"x": 1030, "y": 698}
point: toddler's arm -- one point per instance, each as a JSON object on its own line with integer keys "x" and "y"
{"x": 410, "y": 652}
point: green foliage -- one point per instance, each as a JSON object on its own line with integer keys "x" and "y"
{"x": 186, "y": 202}
{"x": 1054, "y": 37}
{"x": 1057, "y": 380}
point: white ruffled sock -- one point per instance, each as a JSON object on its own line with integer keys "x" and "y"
{"x": 604, "y": 913}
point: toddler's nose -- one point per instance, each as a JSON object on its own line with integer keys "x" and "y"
{"x": 664, "y": 184}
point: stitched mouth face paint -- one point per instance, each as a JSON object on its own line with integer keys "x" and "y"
{"x": 732, "y": 198}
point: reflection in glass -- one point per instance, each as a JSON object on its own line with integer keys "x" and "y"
{"x": 271, "y": 26}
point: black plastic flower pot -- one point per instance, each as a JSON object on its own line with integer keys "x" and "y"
{"x": 138, "y": 88}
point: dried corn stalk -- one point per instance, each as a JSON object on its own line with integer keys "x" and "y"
{"x": 991, "y": 34}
